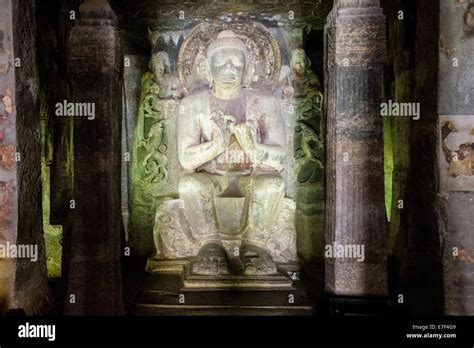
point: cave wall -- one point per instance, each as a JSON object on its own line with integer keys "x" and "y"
{"x": 399, "y": 87}
{"x": 425, "y": 290}
{"x": 8, "y": 191}
{"x": 456, "y": 154}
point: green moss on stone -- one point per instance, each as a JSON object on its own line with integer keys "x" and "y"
{"x": 388, "y": 166}
{"x": 53, "y": 234}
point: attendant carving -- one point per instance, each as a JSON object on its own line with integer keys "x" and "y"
{"x": 302, "y": 86}
{"x": 160, "y": 92}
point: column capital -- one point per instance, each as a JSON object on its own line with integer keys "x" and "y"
{"x": 357, "y": 31}
{"x": 96, "y": 9}
{"x": 94, "y": 43}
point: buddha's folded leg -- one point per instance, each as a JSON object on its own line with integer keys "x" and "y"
{"x": 198, "y": 192}
{"x": 263, "y": 195}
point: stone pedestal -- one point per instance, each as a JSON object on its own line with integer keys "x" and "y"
{"x": 355, "y": 212}
{"x": 95, "y": 64}
{"x": 163, "y": 294}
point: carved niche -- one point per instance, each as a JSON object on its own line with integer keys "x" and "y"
{"x": 156, "y": 170}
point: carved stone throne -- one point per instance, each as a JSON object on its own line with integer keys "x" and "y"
{"x": 173, "y": 239}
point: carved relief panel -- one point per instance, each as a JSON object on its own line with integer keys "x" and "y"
{"x": 278, "y": 82}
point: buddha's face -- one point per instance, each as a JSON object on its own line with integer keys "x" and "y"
{"x": 298, "y": 63}
{"x": 227, "y": 67}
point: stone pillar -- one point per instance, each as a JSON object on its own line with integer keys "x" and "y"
{"x": 456, "y": 153}
{"x": 355, "y": 210}
{"x": 95, "y": 63}
{"x": 22, "y": 280}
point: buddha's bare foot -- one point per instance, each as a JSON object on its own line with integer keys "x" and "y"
{"x": 211, "y": 260}
{"x": 256, "y": 261}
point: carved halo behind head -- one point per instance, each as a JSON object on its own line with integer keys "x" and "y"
{"x": 263, "y": 59}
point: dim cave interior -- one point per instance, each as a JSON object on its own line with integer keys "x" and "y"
{"x": 127, "y": 159}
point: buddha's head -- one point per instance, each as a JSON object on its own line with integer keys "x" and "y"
{"x": 299, "y": 62}
{"x": 227, "y": 60}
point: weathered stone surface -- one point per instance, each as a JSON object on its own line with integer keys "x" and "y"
{"x": 135, "y": 17}
{"x": 456, "y": 95}
{"x": 455, "y": 156}
{"x": 458, "y": 258}
{"x": 56, "y": 137}
{"x": 54, "y": 83}
{"x": 456, "y": 149}
{"x": 8, "y": 185}
{"x": 173, "y": 236}
{"x": 95, "y": 63}
{"x": 30, "y": 275}
{"x": 355, "y": 200}
{"x": 132, "y": 74}
{"x": 155, "y": 169}
{"x": 23, "y": 280}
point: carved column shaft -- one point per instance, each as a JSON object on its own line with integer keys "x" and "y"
{"x": 355, "y": 213}
{"x": 95, "y": 64}
{"x": 22, "y": 279}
